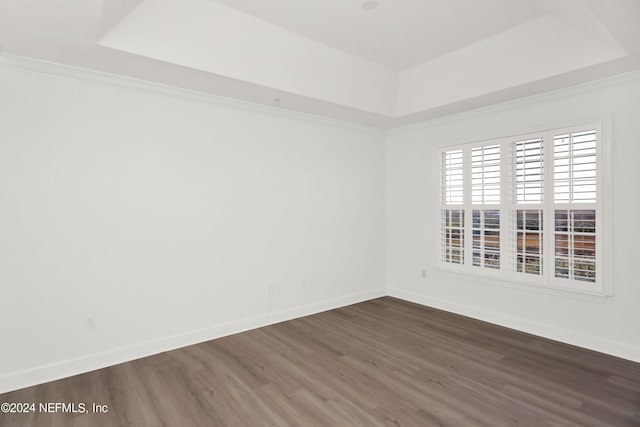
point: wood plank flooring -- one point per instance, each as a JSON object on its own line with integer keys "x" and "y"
{"x": 384, "y": 362}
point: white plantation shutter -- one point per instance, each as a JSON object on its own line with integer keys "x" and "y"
{"x": 485, "y": 200}
{"x": 453, "y": 179}
{"x": 529, "y": 183}
{"x": 526, "y": 209}
{"x": 574, "y": 167}
{"x": 485, "y": 174}
{"x": 452, "y": 235}
{"x": 575, "y": 244}
{"x": 529, "y": 232}
{"x": 452, "y": 214}
{"x": 575, "y": 196}
{"x": 486, "y": 238}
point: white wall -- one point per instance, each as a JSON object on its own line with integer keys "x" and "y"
{"x": 168, "y": 220}
{"x": 172, "y": 219}
{"x": 611, "y": 325}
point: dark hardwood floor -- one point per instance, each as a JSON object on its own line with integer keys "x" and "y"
{"x": 383, "y": 362}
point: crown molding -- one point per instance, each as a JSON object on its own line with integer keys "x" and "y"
{"x": 101, "y": 78}
{"x": 546, "y": 95}
{"x": 389, "y": 126}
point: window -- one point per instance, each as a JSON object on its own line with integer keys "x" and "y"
{"x": 527, "y": 209}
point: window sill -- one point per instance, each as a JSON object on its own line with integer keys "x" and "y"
{"x": 522, "y": 285}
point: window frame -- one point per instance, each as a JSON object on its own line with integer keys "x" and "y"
{"x": 508, "y": 205}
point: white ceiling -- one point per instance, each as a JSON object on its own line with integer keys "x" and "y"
{"x": 407, "y": 60}
{"x": 399, "y": 33}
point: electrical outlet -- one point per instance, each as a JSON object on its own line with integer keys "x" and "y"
{"x": 424, "y": 274}
{"x": 91, "y": 323}
{"x": 272, "y": 289}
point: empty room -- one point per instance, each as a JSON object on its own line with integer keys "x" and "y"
{"x": 319, "y": 213}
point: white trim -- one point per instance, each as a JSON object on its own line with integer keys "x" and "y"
{"x": 468, "y": 218}
{"x": 605, "y": 197}
{"x": 615, "y": 348}
{"x": 530, "y": 132}
{"x": 506, "y": 233}
{"x": 86, "y": 75}
{"x": 67, "y": 368}
{"x": 551, "y": 206}
{"x": 64, "y": 369}
{"x": 545, "y": 96}
{"x": 603, "y": 283}
{"x": 101, "y": 78}
{"x": 527, "y": 283}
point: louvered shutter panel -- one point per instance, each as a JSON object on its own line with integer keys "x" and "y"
{"x": 485, "y": 174}
{"x": 485, "y": 191}
{"x": 529, "y": 182}
{"x": 527, "y": 196}
{"x": 453, "y": 180}
{"x": 452, "y": 220}
{"x": 574, "y": 183}
{"x": 574, "y": 167}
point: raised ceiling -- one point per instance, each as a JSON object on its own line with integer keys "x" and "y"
{"x": 399, "y": 33}
{"x": 405, "y": 61}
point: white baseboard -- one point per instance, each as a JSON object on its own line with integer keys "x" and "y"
{"x": 590, "y": 342}
{"x": 68, "y": 368}
{"x": 56, "y": 371}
